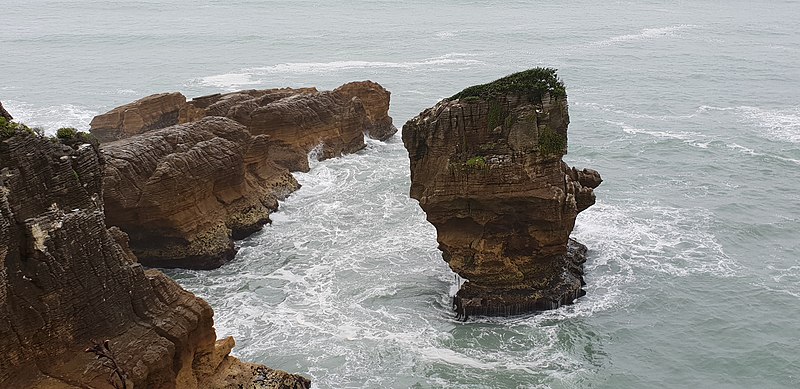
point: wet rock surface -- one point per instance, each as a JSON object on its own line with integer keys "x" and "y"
{"x": 66, "y": 280}
{"x": 486, "y": 168}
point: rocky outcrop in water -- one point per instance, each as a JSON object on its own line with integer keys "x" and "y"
{"x": 183, "y": 193}
{"x": 486, "y": 168}
{"x": 303, "y": 118}
{"x": 67, "y": 280}
{"x": 376, "y": 104}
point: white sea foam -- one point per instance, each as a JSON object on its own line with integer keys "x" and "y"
{"x": 751, "y": 152}
{"x": 51, "y": 118}
{"x": 646, "y": 34}
{"x": 692, "y": 138}
{"x": 674, "y": 241}
{"x": 610, "y": 108}
{"x": 259, "y": 75}
{"x": 776, "y": 124}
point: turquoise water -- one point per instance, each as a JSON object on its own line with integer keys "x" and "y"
{"x": 690, "y": 110}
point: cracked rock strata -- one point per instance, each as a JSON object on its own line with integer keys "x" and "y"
{"x": 183, "y": 193}
{"x": 486, "y": 168}
{"x": 302, "y": 118}
{"x": 66, "y": 280}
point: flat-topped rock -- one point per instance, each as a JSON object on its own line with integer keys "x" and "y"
{"x": 486, "y": 168}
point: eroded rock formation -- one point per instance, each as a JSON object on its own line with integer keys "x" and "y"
{"x": 303, "y": 118}
{"x": 486, "y": 168}
{"x": 149, "y": 113}
{"x": 66, "y": 280}
{"x": 183, "y": 193}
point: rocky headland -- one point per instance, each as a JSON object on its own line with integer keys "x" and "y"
{"x": 486, "y": 168}
{"x": 185, "y": 178}
{"x": 68, "y": 282}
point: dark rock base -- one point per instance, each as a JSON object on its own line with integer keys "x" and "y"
{"x": 474, "y": 300}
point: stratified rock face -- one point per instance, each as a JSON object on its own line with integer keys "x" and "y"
{"x": 376, "y": 103}
{"x": 303, "y": 119}
{"x": 297, "y": 120}
{"x": 66, "y": 280}
{"x": 4, "y": 114}
{"x": 184, "y": 192}
{"x": 149, "y": 113}
{"x": 486, "y": 168}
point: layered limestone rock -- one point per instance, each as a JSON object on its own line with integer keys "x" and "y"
{"x": 376, "y": 104}
{"x": 149, "y": 113}
{"x": 183, "y": 193}
{"x": 66, "y": 280}
{"x": 302, "y": 118}
{"x": 486, "y": 168}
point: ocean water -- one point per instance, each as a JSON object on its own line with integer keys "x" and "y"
{"x": 690, "y": 110}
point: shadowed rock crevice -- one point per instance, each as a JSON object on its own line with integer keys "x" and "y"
{"x": 486, "y": 168}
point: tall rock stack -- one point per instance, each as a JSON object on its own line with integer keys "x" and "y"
{"x": 486, "y": 168}
{"x": 67, "y": 281}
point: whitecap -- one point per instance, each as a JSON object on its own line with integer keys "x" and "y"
{"x": 228, "y": 80}
{"x": 51, "y": 118}
{"x": 775, "y": 124}
{"x": 265, "y": 74}
{"x": 645, "y": 34}
{"x": 652, "y": 237}
{"x": 691, "y": 138}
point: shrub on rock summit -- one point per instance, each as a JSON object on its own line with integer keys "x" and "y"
{"x": 536, "y": 82}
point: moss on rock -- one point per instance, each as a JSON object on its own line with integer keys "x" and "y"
{"x": 535, "y": 82}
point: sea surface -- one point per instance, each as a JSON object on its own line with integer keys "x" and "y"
{"x": 689, "y": 109}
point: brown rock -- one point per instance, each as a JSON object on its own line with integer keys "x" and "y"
{"x": 4, "y": 114}
{"x": 149, "y": 113}
{"x": 183, "y": 193}
{"x": 66, "y": 280}
{"x": 297, "y": 120}
{"x": 487, "y": 170}
{"x": 376, "y": 102}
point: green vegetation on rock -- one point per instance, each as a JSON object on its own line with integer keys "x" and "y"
{"x": 65, "y": 133}
{"x": 551, "y": 142}
{"x": 536, "y": 82}
{"x": 476, "y": 162}
{"x": 9, "y": 129}
{"x": 495, "y": 114}
{"x": 72, "y": 137}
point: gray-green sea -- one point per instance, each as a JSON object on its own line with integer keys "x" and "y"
{"x": 689, "y": 109}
